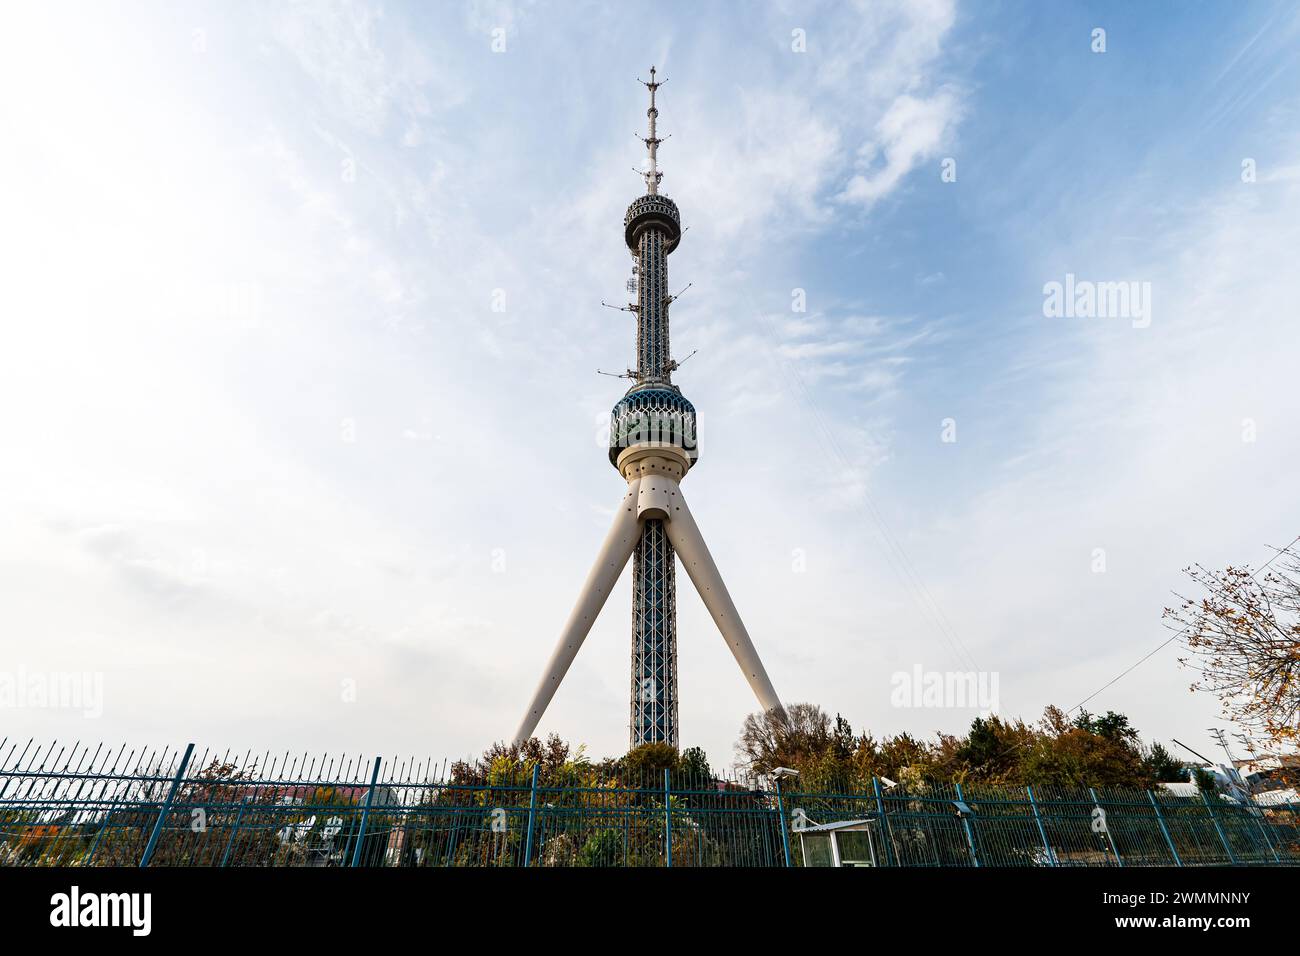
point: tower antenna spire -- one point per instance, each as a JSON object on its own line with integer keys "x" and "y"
{"x": 652, "y": 175}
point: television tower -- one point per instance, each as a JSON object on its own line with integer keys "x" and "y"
{"x": 652, "y": 443}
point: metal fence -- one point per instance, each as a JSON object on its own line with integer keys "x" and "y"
{"x": 82, "y": 806}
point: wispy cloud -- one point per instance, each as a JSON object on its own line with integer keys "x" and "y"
{"x": 910, "y": 131}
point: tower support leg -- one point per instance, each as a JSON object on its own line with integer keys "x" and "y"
{"x": 685, "y": 536}
{"x": 614, "y": 554}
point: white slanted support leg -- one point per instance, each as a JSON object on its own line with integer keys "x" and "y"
{"x": 686, "y": 539}
{"x": 614, "y": 554}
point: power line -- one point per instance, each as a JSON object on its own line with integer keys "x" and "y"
{"x": 1133, "y": 667}
{"x": 1277, "y": 555}
{"x": 1126, "y": 671}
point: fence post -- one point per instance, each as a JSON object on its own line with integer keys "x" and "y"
{"x": 970, "y": 835}
{"x": 780, "y": 814}
{"x": 1215, "y": 820}
{"x": 532, "y": 811}
{"x": 166, "y": 807}
{"x": 365, "y": 814}
{"x": 668, "y": 819}
{"x": 1051, "y": 855}
{"x": 1110, "y": 841}
{"x": 885, "y": 836}
{"x": 1160, "y": 818}
{"x": 230, "y": 844}
{"x": 627, "y": 831}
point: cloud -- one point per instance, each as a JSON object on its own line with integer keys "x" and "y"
{"x": 764, "y": 169}
{"x": 911, "y": 130}
{"x": 364, "y": 67}
{"x": 484, "y": 16}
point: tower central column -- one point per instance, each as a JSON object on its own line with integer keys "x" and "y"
{"x": 652, "y": 307}
{"x": 654, "y": 638}
{"x": 652, "y": 230}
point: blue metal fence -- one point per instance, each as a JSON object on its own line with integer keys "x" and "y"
{"x": 78, "y": 806}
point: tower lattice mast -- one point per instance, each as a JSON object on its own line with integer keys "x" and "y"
{"x": 653, "y": 445}
{"x": 652, "y": 231}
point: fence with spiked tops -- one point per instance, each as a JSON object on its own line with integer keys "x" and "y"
{"x": 99, "y": 806}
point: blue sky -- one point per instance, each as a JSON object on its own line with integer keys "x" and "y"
{"x": 267, "y": 437}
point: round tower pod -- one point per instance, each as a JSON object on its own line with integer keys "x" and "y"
{"x": 653, "y": 415}
{"x": 658, "y": 211}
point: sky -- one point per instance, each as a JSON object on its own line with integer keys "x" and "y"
{"x": 303, "y": 440}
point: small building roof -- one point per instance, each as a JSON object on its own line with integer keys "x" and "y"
{"x": 838, "y": 825}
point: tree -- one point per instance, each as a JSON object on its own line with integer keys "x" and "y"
{"x": 1162, "y": 766}
{"x": 1086, "y": 752}
{"x": 1204, "y": 781}
{"x": 989, "y": 753}
{"x": 694, "y": 765}
{"x": 1243, "y": 636}
{"x": 646, "y": 764}
{"x": 774, "y": 739}
{"x": 1113, "y": 726}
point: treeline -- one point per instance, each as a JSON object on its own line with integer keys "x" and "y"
{"x": 560, "y": 764}
{"x": 1088, "y": 751}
